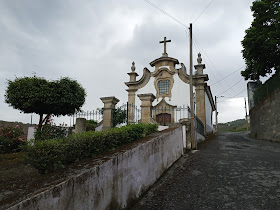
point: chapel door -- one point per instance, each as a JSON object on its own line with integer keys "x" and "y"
{"x": 163, "y": 118}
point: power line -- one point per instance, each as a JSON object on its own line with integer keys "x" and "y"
{"x": 234, "y": 95}
{"x": 196, "y": 42}
{"x": 161, "y": 10}
{"x": 217, "y": 81}
{"x": 203, "y": 11}
{"x": 207, "y": 56}
{"x": 227, "y": 76}
{"x": 231, "y": 87}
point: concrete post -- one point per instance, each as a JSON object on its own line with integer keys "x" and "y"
{"x": 80, "y": 125}
{"x": 185, "y": 122}
{"x": 146, "y": 106}
{"x": 109, "y": 106}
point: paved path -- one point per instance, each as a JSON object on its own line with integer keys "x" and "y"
{"x": 231, "y": 172}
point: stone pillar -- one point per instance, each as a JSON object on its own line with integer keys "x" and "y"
{"x": 109, "y": 106}
{"x": 146, "y": 106}
{"x": 131, "y": 94}
{"x": 80, "y": 125}
{"x": 200, "y": 91}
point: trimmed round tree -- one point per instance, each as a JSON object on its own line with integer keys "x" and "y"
{"x": 43, "y": 97}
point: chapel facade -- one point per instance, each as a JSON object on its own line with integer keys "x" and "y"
{"x": 165, "y": 93}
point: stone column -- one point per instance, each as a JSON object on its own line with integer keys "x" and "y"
{"x": 200, "y": 91}
{"x": 80, "y": 125}
{"x": 146, "y": 106}
{"x": 131, "y": 104}
{"x": 131, "y": 93}
{"x": 109, "y": 106}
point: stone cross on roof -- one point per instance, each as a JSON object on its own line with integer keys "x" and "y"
{"x": 164, "y": 42}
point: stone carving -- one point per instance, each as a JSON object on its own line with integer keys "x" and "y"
{"x": 133, "y": 67}
{"x": 199, "y": 59}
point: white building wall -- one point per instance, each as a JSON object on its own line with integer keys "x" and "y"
{"x": 209, "y": 115}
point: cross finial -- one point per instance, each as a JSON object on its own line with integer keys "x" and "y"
{"x": 164, "y": 42}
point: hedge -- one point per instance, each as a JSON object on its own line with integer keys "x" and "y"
{"x": 48, "y": 156}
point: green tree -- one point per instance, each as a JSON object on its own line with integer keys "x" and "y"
{"x": 119, "y": 116}
{"x": 43, "y": 97}
{"x": 262, "y": 40}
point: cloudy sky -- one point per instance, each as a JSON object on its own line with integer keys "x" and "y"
{"x": 95, "y": 42}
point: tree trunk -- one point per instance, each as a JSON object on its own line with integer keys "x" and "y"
{"x": 40, "y": 122}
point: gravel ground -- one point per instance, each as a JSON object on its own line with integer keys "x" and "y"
{"x": 231, "y": 172}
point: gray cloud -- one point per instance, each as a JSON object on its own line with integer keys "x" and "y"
{"x": 95, "y": 42}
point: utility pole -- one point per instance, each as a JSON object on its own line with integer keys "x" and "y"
{"x": 193, "y": 141}
{"x": 216, "y": 113}
{"x": 246, "y": 113}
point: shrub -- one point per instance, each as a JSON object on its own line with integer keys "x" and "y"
{"x": 91, "y": 125}
{"x": 49, "y": 131}
{"x": 11, "y": 139}
{"x": 48, "y": 156}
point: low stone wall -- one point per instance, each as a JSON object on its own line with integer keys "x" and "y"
{"x": 118, "y": 180}
{"x": 265, "y": 118}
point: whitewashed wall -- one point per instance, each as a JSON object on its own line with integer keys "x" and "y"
{"x": 209, "y": 115}
{"x": 116, "y": 180}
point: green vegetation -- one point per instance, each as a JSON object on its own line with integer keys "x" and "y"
{"x": 233, "y": 126}
{"x": 119, "y": 116}
{"x": 267, "y": 88}
{"x": 11, "y": 139}
{"x": 91, "y": 125}
{"x": 37, "y": 95}
{"x": 261, "y": 42}
{"x": 49, "y": 131}
{"x": 51, "y": 155}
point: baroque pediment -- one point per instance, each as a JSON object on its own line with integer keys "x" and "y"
{"x": 164, "y": 105}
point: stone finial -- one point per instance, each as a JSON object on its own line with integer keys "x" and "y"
{"x": 133, "y": 67}
{"x": 199, "y": 59}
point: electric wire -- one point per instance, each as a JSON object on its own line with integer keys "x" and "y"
{"x": 196, "y": 41}
{"x": 203, "y": 11}
{"x": 217, "y": 81}
{"x": 207, "y": 55}
{"x": 233, "y": 96}
{"x": 209, "y": 67}
{"x": 230, "y": 87}
{"x": 227, "y": 76}
{"x": 161, "y": 10}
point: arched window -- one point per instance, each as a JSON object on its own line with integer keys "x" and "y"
{"x": 163, "y": 86}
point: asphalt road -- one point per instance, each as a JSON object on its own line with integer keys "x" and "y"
{"x": 231, "y": 172}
